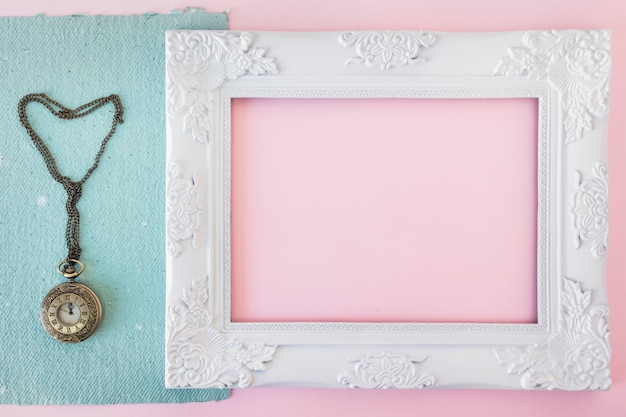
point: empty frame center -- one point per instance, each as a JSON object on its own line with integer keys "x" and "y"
{"x": 384, "y": 210}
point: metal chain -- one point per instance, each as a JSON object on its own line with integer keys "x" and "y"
{"x": 73, "y": 189}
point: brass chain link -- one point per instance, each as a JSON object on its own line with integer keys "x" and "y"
{"x": 73, "y": 189}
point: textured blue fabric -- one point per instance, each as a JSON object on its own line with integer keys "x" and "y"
{"x": 75, "y": 60}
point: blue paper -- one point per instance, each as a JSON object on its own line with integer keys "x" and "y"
{"x": 75, "y": 60}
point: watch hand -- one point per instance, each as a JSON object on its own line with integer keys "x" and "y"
{"x": 70, "y": 306}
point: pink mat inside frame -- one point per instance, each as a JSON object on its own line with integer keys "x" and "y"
{"x": 384, "y": 210}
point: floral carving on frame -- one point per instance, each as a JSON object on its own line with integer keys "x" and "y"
{"x": 386, "y": 370}
{"x": 576, "y": 63}
{"x": 200, "y": 62}
{"x": 198, "y": 356}
{"x": 589, "y": 209}
{"x": 576, "y": 357}
{"x": 387, "y": 49}
{"x": 182, "y": 209}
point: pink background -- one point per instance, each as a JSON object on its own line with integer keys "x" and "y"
{"x": 441, "y": 15}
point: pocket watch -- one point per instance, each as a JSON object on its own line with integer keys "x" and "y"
{"x": 71, "y": 311}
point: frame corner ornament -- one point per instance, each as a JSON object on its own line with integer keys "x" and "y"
{"x": 198, "y": 355}
{"x": 386, "y": 370}
{"x": 576, "y": 63}
{"x": 199, "y": 62}
{"x": 576, "y": 357}
{"x": 387, "y": 49}
{"x": 589, "y": 210}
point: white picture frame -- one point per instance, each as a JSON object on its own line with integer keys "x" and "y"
{"x": 567, "y": 71}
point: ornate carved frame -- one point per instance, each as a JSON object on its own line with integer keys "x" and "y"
{"x": 566, "y": 71}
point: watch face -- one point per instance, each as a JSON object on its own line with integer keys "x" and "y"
{"x": 68, "y": 313}
{"x": 71, "y": 312}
